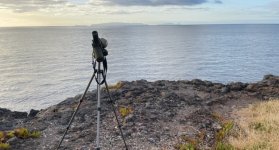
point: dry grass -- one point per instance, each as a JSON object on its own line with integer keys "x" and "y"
{"x": 116, "y": 86}
{"x": 260, "y": 125}
{"x": 125, "y": 111}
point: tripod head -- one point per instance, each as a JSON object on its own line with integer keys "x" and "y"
{"x": 99, "y": 45}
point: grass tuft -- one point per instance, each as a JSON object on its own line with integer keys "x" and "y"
{"x": 185, "y": 146}
{"x": 224, "y": 146}
{"x": 125, "y": 111}
{"x": 4, "y": 146}
{"x": 117, "y": 86}
{"x": 10, "y": 134}
{"x": 35, "y": 134}
{"x": 226, "y": 128}
{"x": 22, "y": 133}
{"x": 2, "y": 135}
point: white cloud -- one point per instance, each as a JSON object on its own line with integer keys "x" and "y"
{"x": 30, "y": 5}
{"x": 154, "y": 2}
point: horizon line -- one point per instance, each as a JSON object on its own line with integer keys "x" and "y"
{"x": 139, "y": 24}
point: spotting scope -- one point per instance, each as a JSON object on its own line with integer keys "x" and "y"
{"x": 99, "y": 45}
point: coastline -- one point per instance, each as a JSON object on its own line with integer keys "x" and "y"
{"x": 161, "y": 113}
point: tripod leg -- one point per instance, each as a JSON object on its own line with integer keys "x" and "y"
{"x": 75, "y": 112}
{"x": 98, "y": 108}
{"x": 114, "y": 111}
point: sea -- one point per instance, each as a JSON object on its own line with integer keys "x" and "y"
{"x": 42, "y": 66}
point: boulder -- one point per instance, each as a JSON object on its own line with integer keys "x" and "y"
{"x": 237, "y": 86}
{"x": 33, "y": 113}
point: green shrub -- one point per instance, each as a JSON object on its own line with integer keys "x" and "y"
{"x": 224, "y": 146}
{"x": 4, "y": 146}
{"x": 35, "y": 134}
{"x": 22, "y": 133}
{"x": 2, "y": 136}
{"x": 227, "y": 126}
{"x": 10, "y": 134}
{"x": 186, "y": 146}
{"x": 125, "y": 111}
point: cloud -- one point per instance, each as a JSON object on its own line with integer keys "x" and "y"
{"x": 218, "y": 2}
{"x": 175, "y": 8}
{"x": 120, "y": 12}
{"x": 154, "y": 2}
{"x": 29, "y": 5}
{"x": 274, "y": 6}
{"x": 22, "y": 6}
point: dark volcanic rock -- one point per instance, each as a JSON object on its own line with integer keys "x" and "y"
{"x": 269, "y": 76}
{"x": 251, "y": 87}
{"x": 159, "y": 113}
{"x": 9, "y": 119}
{"x": 225, "y": 89}
{"x": 271, "y": 80}
{"x": 18, "y": 115}
{"x": 4, "y": 112}
{"x": 237, "y": 86}
{"x": 198, "y": 82}
{"x": 33, "y": 113}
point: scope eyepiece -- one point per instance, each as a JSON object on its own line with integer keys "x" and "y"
{"x": 95, "y": 36}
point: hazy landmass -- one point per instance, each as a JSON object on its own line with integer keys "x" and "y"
{"x": 112, "y": 24}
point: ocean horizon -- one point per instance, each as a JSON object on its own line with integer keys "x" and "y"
{"x": 42, "y": 66}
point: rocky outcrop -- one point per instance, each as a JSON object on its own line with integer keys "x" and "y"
{"x": 9, "y": 119}
{"x": 162, "y": 113}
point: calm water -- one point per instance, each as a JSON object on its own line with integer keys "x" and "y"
{"x": 42, "y": 66}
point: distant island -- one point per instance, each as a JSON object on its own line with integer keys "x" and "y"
{"x": 118, "y": 24}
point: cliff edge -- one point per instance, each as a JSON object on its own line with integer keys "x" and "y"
{"x": 155, "y": 115}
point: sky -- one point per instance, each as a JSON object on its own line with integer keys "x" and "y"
{"x": 153, "y": 12}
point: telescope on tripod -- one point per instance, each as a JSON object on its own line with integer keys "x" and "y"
{"x": 98, "y": 59}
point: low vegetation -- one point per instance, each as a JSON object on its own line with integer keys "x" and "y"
{"x": 224, "y": 146}
{"x": 226, "y": 128}
{"x": 186, "y": 143}
{"x": 116, "y": 86}
{"x": 4, "y": 146}
{"x": 21, "y": 133}
{"x": 256, "y": 129}
{"x": 186, "y": 146}
{"x": 223, "y": 133}
{"x": 260, "y": 125}
{"x": 125, "y": 111}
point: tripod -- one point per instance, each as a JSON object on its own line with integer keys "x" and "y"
{"x": 99, "y": 73}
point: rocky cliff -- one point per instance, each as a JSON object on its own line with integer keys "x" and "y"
{"x": 155, "y": 115}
